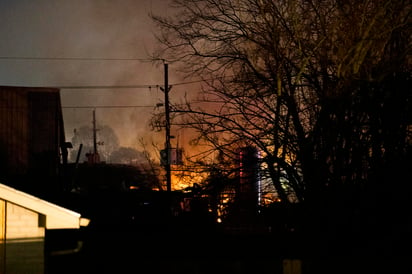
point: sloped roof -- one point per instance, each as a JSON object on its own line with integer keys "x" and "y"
{"x": 57, "y": 217}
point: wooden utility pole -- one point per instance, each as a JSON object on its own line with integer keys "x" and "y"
{"x": 167, "y": 144}
{"x": 94, "y": 157}
{"x": 94, "y": 133}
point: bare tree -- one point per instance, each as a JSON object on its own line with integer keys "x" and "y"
{"x": 293, "y": 78}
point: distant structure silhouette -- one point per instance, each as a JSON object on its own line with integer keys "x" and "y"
{"x": 246, "y": 204}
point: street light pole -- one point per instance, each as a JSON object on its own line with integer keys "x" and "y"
{"x": 167, "y": 144}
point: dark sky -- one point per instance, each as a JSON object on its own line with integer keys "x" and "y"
{"x": 101, "y": 29}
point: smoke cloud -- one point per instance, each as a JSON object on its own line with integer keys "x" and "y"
{"x": 39, "y": 35}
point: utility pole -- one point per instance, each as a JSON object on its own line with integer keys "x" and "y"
{"x": 167, "y": 144}
{"x": 94, "y": 157}
{"x": 94, "y": 133}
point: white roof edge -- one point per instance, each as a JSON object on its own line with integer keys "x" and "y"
{"x": 56, "y": 216}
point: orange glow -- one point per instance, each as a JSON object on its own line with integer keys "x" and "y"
{"x": 180, "y": 182}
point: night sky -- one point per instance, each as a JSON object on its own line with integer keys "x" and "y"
{"x": 96, "y": 43}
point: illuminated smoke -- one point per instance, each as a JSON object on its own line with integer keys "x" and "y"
{"x": 91, "y": 29}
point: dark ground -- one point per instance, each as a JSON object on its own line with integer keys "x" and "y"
{"x": 154, "y": 250}
{"x": 150, "y": 241}
{"x": 198, "y": 251}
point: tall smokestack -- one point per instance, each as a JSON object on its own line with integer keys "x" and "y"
{"x": 248, "y": 190}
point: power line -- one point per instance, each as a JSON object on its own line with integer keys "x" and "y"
{"x": 109, "y": 87}
{"x": 114, "y": 106}
{"x": 187, "y": 83}
{"x": 126, "y": 86}
{"x": 98, "y": 59}
{"x": 77, "y": 58}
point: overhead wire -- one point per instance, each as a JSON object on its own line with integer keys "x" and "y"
{"x": 99, "y": 87}
{"x": 98, "y": 59}
{"x": 112, "y": 106}
{"x": 78, "y": 58}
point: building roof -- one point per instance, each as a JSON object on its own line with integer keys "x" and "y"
{"x": 57, "y": 217}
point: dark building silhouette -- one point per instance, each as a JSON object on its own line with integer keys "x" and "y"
{"x": 32, "y": 153}
{"x": 245, "y": 207}
{"x": 32, "y": 140}
{"x": 249, "y": 174}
